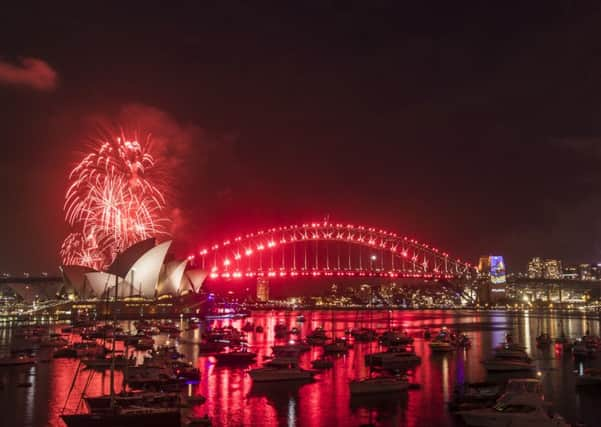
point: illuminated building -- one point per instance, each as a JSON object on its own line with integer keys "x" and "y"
{"x": 535, "y": 268}
{"x": 262, "y": 289}
{"x": 552, "y": 269}
{"x": 493, "y": 278}
{"x": 140, "y": 271}
{"x": 570, "y": 272}
{"x": 585, "y": 272}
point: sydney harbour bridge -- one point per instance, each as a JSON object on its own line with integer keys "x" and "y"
{"x": 324, "y": 249}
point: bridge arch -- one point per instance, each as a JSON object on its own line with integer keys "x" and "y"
{"x": 329, "y": 249}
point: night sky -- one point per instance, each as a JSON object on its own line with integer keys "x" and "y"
{"x": 476, "y": 128}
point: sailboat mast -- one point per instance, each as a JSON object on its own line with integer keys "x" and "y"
{"x": 113, "y": 345}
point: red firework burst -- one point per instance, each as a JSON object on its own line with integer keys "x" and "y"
{"x": 115, "y": 199}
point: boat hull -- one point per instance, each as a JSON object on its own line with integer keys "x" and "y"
{"x": 358, "y": 388}
{"x": 151, "y": 419}
{"x": 501, "y": 366}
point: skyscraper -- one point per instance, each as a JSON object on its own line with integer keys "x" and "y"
{"x": 262, "y": 289}
{"x": 552, "y": 269}
{"x": 535, "y": 268}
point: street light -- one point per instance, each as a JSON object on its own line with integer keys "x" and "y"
{"x": 371, "y": 262}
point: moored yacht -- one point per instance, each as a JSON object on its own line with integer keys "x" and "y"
{"x": 393, "y": 356}
{"x": 519, "y": 410}
{"x": 241, "y": 355}
{"x": 289, "y": 372}
{"x": 378, "y": 385}
{"x": 509, "y": 359}
{"x": 126, "y": 417}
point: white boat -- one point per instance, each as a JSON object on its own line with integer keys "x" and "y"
{"x": 18, "y": 360}
{"x": 289, "y": 373}
{"x": 378, "y": 385}
{"x": 516, "y": 410}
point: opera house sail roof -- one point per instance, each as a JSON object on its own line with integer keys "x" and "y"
{"x": 140, "y": 271}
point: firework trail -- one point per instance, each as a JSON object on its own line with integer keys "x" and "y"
{"x": 114, "y": 200}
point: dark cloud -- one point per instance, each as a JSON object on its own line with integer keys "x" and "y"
{"x": 30, "y": 72}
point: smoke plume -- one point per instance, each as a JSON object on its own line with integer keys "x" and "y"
{"x": 29, "y": 72}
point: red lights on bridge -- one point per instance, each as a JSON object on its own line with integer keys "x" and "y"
{"x": 435, "y": 275}
{"x": 338, "y": 250}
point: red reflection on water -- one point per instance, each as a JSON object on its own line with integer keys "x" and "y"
{"x": 233, "y": 399}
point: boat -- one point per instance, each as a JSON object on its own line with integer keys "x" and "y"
{"x": 442, "y": 342}
{"x": 339, "y": 346}
{"x": 210, "y": 347}
{"x": 129, "y": 399}
{"x": 378, "y": 385}
{"x": 144, "y": 343}
{"x": 363, "y": 334}
{"x": 516, "y": 409}
{"x": 590, "y": 377}
{"x": 393, "y": 337}
{"x": 292, "y": 347}
{"x": 475, "y": 395}
{"x": 89, "y": 349}
{"x": 441, "y": 346}
{"x": 20, "y": 359}
{"x": 317, "y": 337}
{"x": 126, "y": 417}
{"x": 464, "y": 341}
{"x": 241, "y": 355}
{"x": 289, "y": 372}
{"x": 397, "y": 355}
{"x": 509, "y": 357}
{"x": 280, "y": 374}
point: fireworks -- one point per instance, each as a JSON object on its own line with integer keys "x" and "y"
{"x": 114, "y": 200}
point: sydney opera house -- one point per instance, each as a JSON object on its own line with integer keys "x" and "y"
{"x": 139, "y": 271}
{"x": 144, "y": 279}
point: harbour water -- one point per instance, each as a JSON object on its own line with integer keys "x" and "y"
{"x": 233, "y": 399}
